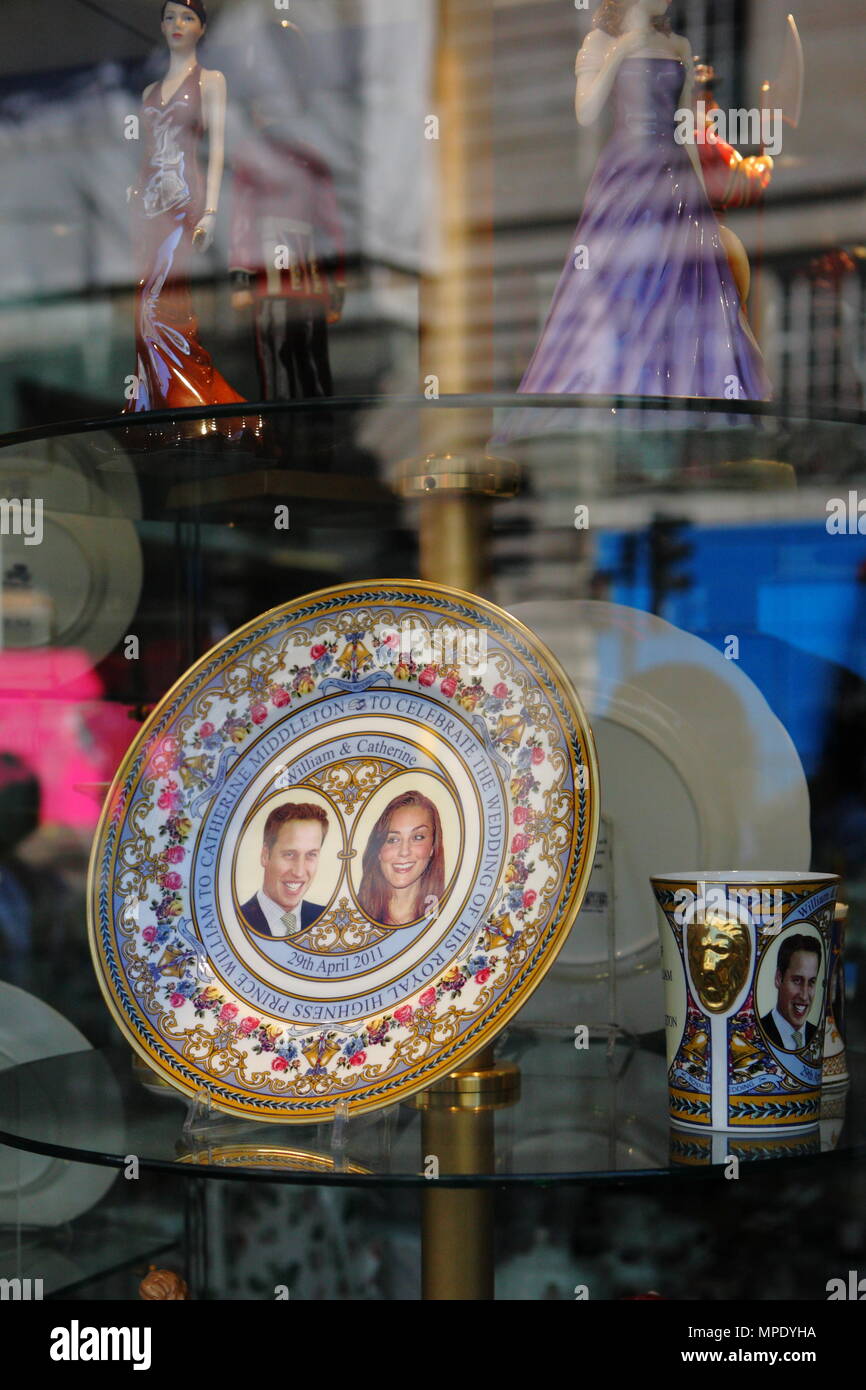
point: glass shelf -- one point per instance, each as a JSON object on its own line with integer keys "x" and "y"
{"x": 369, "y": 441}
{"x": 100, "y": 1244}
{"x": 596, "y": 1115}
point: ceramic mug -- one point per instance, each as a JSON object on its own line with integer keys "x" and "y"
{"x": 745, "y": 963}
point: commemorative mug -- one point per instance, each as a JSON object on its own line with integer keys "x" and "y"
{"x": 746, "y": 961}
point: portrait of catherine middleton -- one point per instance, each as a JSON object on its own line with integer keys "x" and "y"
{"x": 410, "y": 850}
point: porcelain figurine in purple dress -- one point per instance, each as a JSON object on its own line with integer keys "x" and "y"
{"x": 647, "y": 304}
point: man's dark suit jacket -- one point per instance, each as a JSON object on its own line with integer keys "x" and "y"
{"x": 257, "y": 921}
{"x": 768, "y": 1023}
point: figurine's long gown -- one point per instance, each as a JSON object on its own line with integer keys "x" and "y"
{"x": 173, "y": 369}
{"x": 647, "y": 304}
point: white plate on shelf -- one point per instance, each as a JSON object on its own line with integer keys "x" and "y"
{"x": 35, "y": 1189}
{"x": 80, "y": 586}
{"x": 695, "y": 769}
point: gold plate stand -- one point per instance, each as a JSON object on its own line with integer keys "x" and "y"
{"x": 457, "y": 1131}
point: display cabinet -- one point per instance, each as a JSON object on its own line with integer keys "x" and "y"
{"x": 697, "y": 569}
{"x": 294, "y": 302}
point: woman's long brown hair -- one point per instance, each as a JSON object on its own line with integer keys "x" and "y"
{"x": 375, "y": 892}
{"x": 611, "y": 13}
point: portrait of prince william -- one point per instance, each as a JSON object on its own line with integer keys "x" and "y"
{"x": 291, "y": 847}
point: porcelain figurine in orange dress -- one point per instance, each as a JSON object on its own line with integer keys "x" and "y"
{"x": 174, "y": 207}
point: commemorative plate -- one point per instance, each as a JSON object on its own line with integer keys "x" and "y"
{"x": 343, "y": 851}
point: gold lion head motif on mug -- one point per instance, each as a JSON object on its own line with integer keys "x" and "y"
{"x": 719, "y": 954}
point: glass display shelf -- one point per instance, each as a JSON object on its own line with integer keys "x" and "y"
{"x": 191, "y": 524}
{"x": 77, "y": 1255}
{"x": 179, "y": 529}
{"x": 196, "y": 458}
{"x": 577, "y": 1116}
